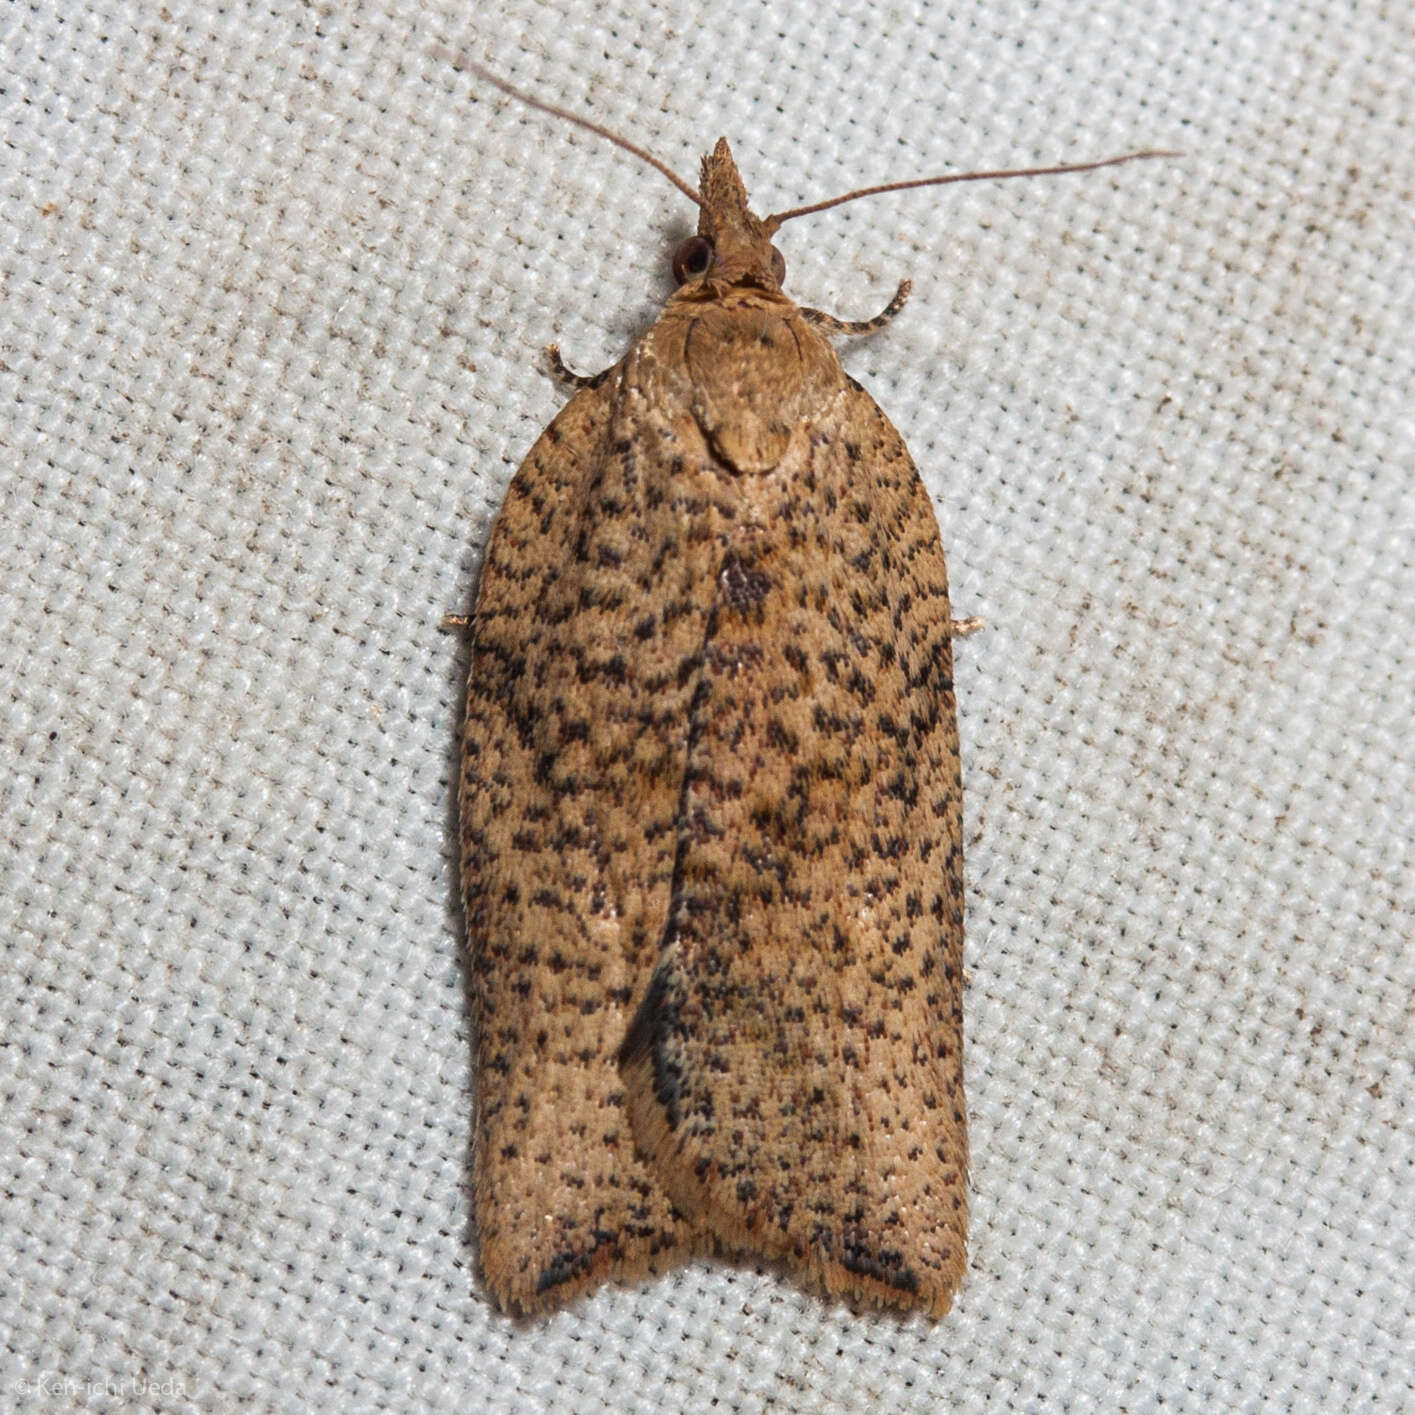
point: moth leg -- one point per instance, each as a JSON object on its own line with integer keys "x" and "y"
{"x": 961, "y": 628}
{"x": 566, "y": 374}
{"x": 831, "y": 325}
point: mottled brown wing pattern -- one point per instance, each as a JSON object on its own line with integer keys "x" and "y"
{"x": 712, "y": 808}
{"x": 795, "y": 1073}
{"x": 711, "y": 822}
{"x": 570, "y": 787}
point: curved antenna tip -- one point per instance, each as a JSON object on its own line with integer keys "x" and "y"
{"x": 950, "y": 178}
{"x": 464, "y": 62}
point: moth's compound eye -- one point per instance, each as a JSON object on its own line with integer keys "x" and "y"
{"x": 692, "y": 258}
{"x": 778, "y": 266}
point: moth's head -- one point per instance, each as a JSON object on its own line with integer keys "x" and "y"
{"x": 733, "y": 246}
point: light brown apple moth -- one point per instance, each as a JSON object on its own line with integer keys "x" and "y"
{"x": 712, "y": 814}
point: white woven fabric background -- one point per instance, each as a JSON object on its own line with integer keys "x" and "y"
{"x": 276, "y": 281}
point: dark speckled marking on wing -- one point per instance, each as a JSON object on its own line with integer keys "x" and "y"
{"x": 578, "y": 693}
{"x": 711, "y": 820}
{"x": 797, "y": 1068}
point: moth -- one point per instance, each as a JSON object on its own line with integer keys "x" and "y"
{"x": 711, "y": 812}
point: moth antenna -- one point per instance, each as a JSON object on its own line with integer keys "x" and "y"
{"x": 496, "y": 81}
{"x": 774, "y": 221}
